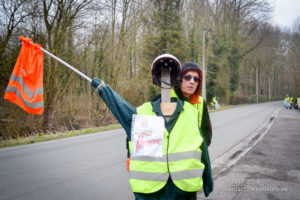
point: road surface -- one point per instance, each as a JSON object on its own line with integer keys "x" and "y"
{"x": 93, "y": 166}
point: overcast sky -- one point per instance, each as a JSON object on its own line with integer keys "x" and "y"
{"x": 285, "y": 12}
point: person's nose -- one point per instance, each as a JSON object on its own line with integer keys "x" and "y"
{"x": 192, "y": 81}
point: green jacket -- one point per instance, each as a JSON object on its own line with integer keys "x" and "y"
{"x": 123, "y": 112}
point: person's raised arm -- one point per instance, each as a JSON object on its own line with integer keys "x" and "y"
{"x": 120, "y": 108}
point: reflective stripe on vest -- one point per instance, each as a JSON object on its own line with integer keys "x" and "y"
{"x": 24, "y": 86}
{"x": 171, "y": 157}
{"x": 38, "y": 104}
{"x": 181, "y": 157}
{"x": 199, "y": 106}
{"x": 26, "y": 103}
{"x": 176, "y": 176}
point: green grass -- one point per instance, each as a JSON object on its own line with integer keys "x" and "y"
{"x": 224, "y": 107}
{"x": 41, "y": 137}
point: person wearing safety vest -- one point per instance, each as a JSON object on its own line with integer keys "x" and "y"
{"x": 178, "y": 173}
{"x": 291, "y": 102}
{"x": 213, "y": 103}
{"x": 214, "y": 99}
{"x": 189, "y": 90}
{"x": 286, "y": 98}
{"x": 193, "y": 97}
{"x": 189, "y": 70}
{"x": 286, "y": 101}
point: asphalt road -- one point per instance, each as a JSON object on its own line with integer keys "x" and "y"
{"x": 234, "y": 125}
{"x": 93, "y": 166}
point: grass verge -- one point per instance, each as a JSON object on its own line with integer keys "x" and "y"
{"x": 223, "y": 107}
{"x": 46, "y": 137}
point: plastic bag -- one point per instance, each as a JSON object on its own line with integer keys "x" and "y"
{"x": 147, "y": 133}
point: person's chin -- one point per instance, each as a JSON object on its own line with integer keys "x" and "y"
{"x": 191, "y": 90}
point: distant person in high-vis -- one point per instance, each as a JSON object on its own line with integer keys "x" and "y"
{"x": 298, "y": 103}
{"x": 214, "y": 103}
{"x": 287, "y": 102}
{"x": 184, "y": 166}
{"x": 291, "y": 102}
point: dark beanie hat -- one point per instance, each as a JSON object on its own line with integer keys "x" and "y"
{"x": 190, "y": 66}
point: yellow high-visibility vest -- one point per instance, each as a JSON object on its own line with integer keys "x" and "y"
{"x": 181, "y": 156}
{"x": 198, "y": 106}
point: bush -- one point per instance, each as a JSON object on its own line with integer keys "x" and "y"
{"x": 261, "y": 98}
{"x": 241, "y": 99}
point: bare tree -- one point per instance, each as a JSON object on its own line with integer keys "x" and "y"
{"x": 59, "y": 17}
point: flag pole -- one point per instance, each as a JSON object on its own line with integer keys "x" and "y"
{"x": 66, "y": 64}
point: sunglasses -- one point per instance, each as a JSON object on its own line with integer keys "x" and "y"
{"x": 188, "y": 78}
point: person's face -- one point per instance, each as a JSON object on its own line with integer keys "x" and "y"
{"x": 189, "y": 85}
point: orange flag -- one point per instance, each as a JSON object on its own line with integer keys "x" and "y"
{"x": 25, "y": 87}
